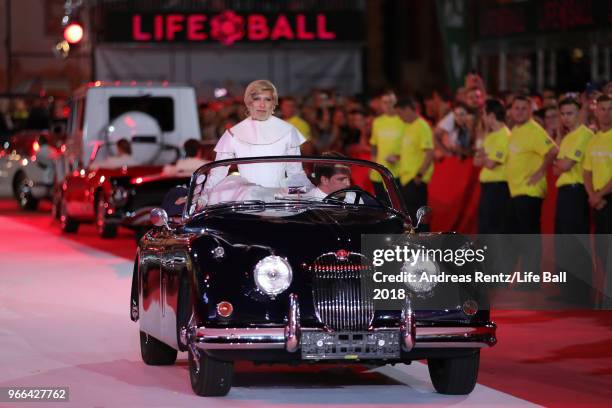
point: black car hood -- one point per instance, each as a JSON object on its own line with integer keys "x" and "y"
{"x": 313, "y": 230}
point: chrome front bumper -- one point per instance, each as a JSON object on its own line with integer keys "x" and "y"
{"x": 288, "y": 337}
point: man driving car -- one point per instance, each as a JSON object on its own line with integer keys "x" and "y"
{"x": 329, "y": 178}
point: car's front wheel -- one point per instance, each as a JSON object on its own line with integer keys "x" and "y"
{"x": 456, "y": 375}
{"x": 67, "y": 223}
{"x": 106, "y": 229}
{"x": 56, "y": 207}
{"x": 24, "y": 194}
{"x": 154, "y": 352}
{"x": 211, "y": 377}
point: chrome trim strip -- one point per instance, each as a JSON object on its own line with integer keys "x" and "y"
{"x": 240, "y": 346}
{"x": 242, "y": 338}
{"x": 235, "y": 334}
{"x": 453, "y": 344}
{"x": 456, "y": 337}
{"x": 455, "y": 331}
{"x": 408, "y": 327}
{"x": 292, "y": 331}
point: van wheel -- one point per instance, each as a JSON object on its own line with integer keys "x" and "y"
{"x": 24, "y": 194}
{"x": 105, "y": 228}
{"x": 67, "y": 223}
{"x": 154, "y": 352}
{"x": 454, "y": 376}
{"x": 209, "y": 377}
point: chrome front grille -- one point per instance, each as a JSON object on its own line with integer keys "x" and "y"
{"x": 342, "y": 291}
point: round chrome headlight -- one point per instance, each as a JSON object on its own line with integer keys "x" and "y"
{"x": 272, "y": 275}
{"x": 424, "y": 273}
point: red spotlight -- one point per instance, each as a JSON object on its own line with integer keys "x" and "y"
{"x": 73, "y": 33}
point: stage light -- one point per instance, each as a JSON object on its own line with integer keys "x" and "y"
{"x": 62, "y": 49}
{"x": 73, "y": 33}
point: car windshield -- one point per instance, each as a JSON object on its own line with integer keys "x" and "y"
{"x": 257, "y": 184}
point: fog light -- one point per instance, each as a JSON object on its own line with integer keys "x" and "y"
{"x": 470, "y": 307}
{"x": 225, "y": 309}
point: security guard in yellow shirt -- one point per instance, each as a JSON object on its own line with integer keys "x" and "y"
{"x": 572, "y": 215}
{"x": 289, "y": 113}
{"x": 598, "y": 183}
{"x": 530, "y": 152}
{"x": 416, "y": 157}
{"x": 598, "y": 167}
{"x": 386, "y": 141}
{"x": 494, "y": 207}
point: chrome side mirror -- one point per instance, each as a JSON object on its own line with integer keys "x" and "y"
{"x": 423, "y": 215}
{"x": 159, "y": 217}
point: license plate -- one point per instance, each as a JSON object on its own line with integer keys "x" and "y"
{"x": 350, "y": 346}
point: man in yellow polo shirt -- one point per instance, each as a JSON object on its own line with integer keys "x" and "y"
{"x": 416, "y": 158}
{"x": 572, "y": 214}
{"x": 530, "y": 152}
{"x": 494, "y": 210}
{"x": 288, "y": 110}
{"x": 598, "y": 183}
{"x": 598, "y": 167}
{"x": 386, "y": 141}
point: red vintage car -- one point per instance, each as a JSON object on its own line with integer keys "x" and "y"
{"x": 113, "y": 197}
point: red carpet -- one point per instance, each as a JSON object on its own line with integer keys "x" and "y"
{"x": 124, "y": 245}
{"x": 560, "y": 359}
{"x": 549, "y": 358}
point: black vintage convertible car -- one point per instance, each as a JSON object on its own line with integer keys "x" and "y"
{"x": 281, "y": 275}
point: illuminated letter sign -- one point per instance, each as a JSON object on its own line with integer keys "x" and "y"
{"x": 195, "y": 27}
{"x": 229, "y": 27}
{"x": 137, "y": 33}
{"x": 257, "y": 27}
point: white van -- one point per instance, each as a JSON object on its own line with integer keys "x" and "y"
{"x": 93, "y": 128}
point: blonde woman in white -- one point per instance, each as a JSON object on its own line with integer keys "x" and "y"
{"x": 261, "y": 134}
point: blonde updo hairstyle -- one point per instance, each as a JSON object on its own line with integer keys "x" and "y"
{"x": 259, "y": 86}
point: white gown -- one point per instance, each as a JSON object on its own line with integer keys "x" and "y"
{"x": 256, "y": 138}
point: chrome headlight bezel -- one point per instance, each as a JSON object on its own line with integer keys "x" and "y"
{"x": 272, "y": 275}
{"x": 421, "y": 287}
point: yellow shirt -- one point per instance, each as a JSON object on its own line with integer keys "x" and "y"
{"x": 495, "y": 146}
{"x": 598, "y": 159}
{"x": 528, "y": 146}
{"x": 573, "y": 147}
{"x": 387, "y": 137}
{"x": 301, "y": 125}
{"x": 416, "y": 140}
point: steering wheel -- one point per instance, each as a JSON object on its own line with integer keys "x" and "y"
{"x": 369, "y": 199}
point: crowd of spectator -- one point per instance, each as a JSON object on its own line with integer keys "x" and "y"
{"x": 346, "y": 124}
{"x": 517, "y": 139}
